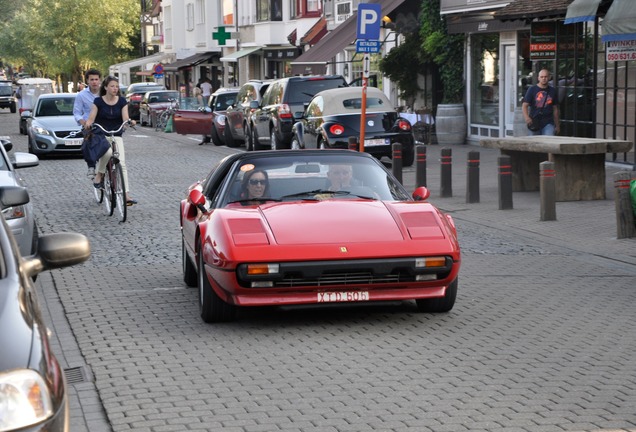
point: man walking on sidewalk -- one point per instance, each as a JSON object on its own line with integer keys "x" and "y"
{"x": 540, "y": 107}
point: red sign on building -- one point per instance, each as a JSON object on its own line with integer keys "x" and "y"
{"x": 543, "y": 41}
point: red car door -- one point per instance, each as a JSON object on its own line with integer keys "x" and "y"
{"x": 186, "y": 122}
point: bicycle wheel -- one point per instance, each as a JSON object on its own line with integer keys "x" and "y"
{"x": 162, "y": 121}
{"x": 99, "y": 194}
{"x": 120, "y": 193}
{"x": 109, "y": 192}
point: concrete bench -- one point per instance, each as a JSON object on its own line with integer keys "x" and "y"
{"x": 579, "y": 163}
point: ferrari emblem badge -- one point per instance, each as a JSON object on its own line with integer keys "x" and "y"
{"x": 343, "y": 249}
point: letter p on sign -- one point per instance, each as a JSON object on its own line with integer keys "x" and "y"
{"x": 369, "y": 17}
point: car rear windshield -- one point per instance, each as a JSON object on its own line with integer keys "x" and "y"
{"x": 300, "y": 92}
{"x": 145, "y": 89}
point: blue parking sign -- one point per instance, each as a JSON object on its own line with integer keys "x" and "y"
{"x": 369, "y": 20}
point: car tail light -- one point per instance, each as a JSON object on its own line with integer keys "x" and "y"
{"x": 284, "y": 111}
{"x": 336, "y": 129}
{"x": 404, "y": 125}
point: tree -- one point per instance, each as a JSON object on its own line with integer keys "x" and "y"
{"x": 446, "y": 51}
{"x": 403, "y": 64}
{"x": 65, "y": 37}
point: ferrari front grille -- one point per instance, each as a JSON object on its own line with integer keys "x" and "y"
{"x": 362, "y": 278}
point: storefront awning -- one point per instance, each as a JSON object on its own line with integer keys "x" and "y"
{"x": 619, "y": 23}
{"x": 581, "y": 11}
{"x": 527, "y": 10}
{"x": 315, "y": 33}
{"x": 188, "y": 61}
{"x": 142, "y": 61}
{"x": 478, "y": 23}
{"x": 238, "y": 54}
{"x": 314, "y": 60}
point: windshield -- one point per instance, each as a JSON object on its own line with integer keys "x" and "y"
{"x": 6, "y": 90}
{"x": 311, "y": 176}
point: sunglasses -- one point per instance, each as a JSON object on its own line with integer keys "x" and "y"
{"x": 255, "y": 182}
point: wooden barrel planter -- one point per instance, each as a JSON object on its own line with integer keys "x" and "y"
{"x": 450, "y": 124}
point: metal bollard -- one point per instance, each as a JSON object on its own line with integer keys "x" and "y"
{"x": 472, "y": 178}
{"x": 397, "y": 161}
{"x": 547, "y": 187}
{"x": 353, "y": 143}
{"x": 446, "y": 165}
{"x": 505, "y": 182}
{"x": 420, "y": 165}
{"x": 622, "y": 202}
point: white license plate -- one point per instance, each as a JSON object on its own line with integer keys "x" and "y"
{"x": 375, "y": 142}
{"x": 73, "y": 142}
{"x": 345, "y": 296}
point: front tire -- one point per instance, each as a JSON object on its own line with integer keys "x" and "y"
{"x": 109, "y": 193}
{"x": 441, "y": 304}
{"x": 273, "y": 140}
{"x": 216, "y": 139}
{"x": 189, "y": 270}
{"x": 211, "y": 307}
{"x": 229, "y": 138}
{"x": 120, "y": 194}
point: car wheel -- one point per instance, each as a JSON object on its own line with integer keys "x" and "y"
{"x": 13, "y": 109}
{"x": 211, "y": 307}
{"x": 249, "y": 139}
{"x": 22, "y": 128}
{"x": 141, "y": 120}
{"x": 31, "y": 146}
{"x": 295, "y": 143}
{"x": 229, "y": 138}
{"x": 273, "y": 140}
{"x": 189, "y": 270}
{"x": 255, "y": 143}
{"x": 216, "y": 139}
{"x": 441, "y": 304}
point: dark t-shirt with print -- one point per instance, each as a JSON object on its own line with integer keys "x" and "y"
{"x": 541, "y": 103}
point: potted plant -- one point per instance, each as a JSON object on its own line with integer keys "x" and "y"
{"x": 447, "y": 52}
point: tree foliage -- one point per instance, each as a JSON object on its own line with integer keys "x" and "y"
{"x": 65, "y": 37}
{"x": 447, "y": 51}
{"x": 403, "y": 64}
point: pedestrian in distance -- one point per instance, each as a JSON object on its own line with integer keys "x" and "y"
{"x": 541, "y": 107}
{"x": 110, "y": 110}
{"x": 84, "y": 102}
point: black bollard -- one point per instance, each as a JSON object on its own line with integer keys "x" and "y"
{"x": 420, "y": 167}
{"x": 622, "y": 202}
{"x": 472, "y": 178}
{"x": 547, "y": 187}
{"x": 446, "y": 165}
{"x": 397, "y": 161}
{"x": 353, "y": 143}
{"x": 505, "y": 182}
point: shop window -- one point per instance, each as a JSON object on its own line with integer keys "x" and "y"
{"x": 484, "y": 90}
{"x": 269, "y": 10}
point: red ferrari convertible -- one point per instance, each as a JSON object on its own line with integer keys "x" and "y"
{"x": 316, "y": 226}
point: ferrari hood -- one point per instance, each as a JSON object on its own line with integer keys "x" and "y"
{"x": 351, "y": 221}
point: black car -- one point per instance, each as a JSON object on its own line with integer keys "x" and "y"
{"x": 135, "y": 92}
{"x": 237, "y": 116}
{"x": 33, "y": 393}
{"x": 273, "y": 117}
{"x": 7, "y": 99}
{"x": 333, "y": 116}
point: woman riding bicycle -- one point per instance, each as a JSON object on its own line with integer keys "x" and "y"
{"x": 110, "y": 110}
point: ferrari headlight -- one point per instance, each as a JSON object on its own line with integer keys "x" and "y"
{"x": 262, "y": 269}
{"x": 13, "y": 212}
{"x": 24, "y": 399}
{"x": 40, "y": 130}
{"x": 430, "y": 262}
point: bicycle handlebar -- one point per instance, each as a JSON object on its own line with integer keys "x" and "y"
{"x": 113, "y": 132}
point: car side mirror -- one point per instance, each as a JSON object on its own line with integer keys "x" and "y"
{"x": 205, "y": 109}
{"x": 421, "y": 193}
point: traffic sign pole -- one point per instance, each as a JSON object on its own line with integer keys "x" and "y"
{"x": 363, "y": 109}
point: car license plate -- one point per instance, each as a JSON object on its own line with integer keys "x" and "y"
{"x": 73, "y": 142}
{"x": 344, "y": 296}
{"x": 376, "y": 142}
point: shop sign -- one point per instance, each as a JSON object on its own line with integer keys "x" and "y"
{"x": 282, "y": 54}
{"x": 543, "y": 41}
{"x": 620, "y": 50}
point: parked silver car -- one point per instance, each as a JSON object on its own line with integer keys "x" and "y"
{"x": 50, "y": 124}
{"x": 20, "y": 218}
{"x": 33, "y": 390}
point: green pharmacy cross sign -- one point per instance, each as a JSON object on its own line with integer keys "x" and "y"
{"x": 221, "y": 35}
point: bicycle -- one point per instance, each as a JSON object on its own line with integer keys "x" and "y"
{"x": 165, "y": 116}
{"x": 113, "y": 194}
